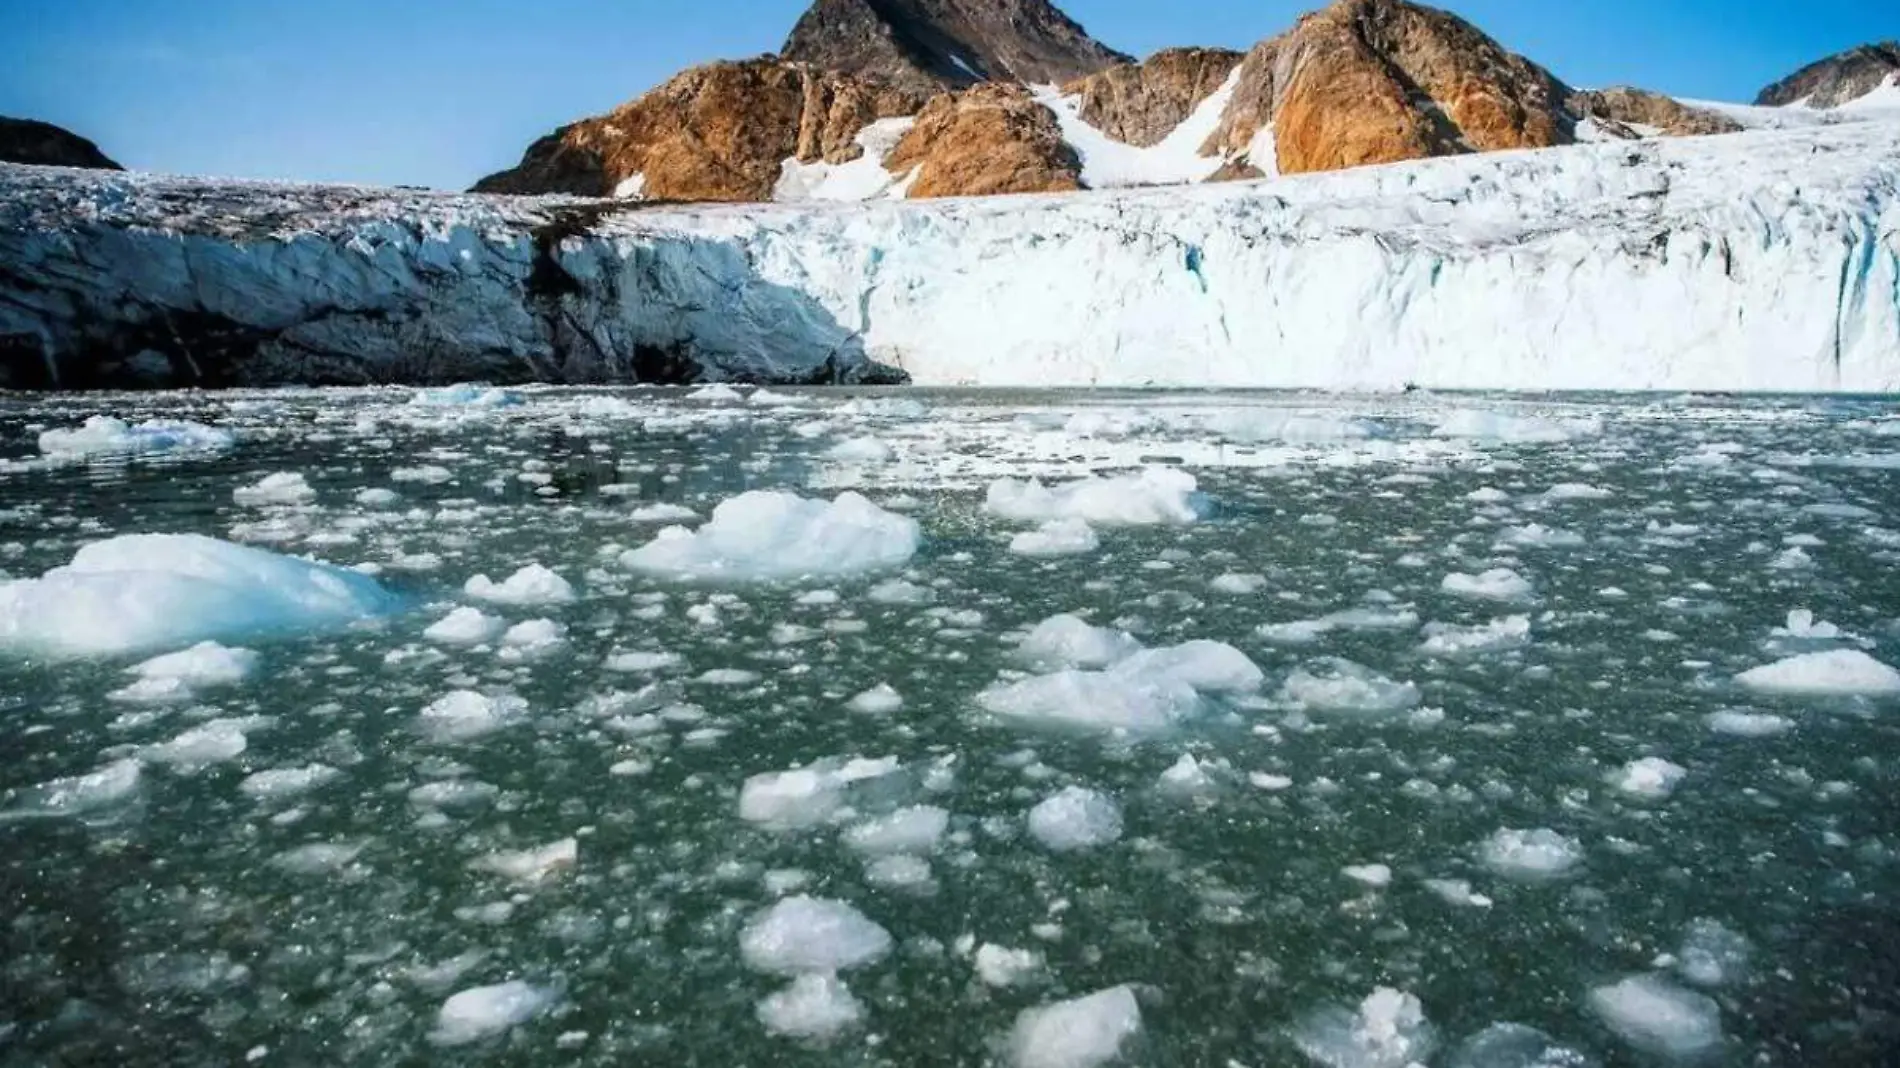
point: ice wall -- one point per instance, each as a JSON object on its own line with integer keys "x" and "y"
{"x": 1761, "y": 261}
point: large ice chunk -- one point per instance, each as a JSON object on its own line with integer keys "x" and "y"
{"x": 814, "y": 1007}
{"x": 1084, "y": 1032}
{"x": 533, "y": 585}
{"x": 1138, "y": 690}
{"x": 768, "y": 536}
{"x": 806, "y": 797}
{"x": 1333, "y": 685}
{"x": 104, "y": 436}
{"x": 1066, "y": 641}
{"x": 155, "y": 591}
{"x": 1836, "y": 673}
{"x": 1531, "y": 856}
{"x": 1158, "y": 495}
{"x": 806, "y": 934}
{"x": 1075, "y": 818}
{"x": 1388, "y": 1030}
{"x": 1659, "y": 1017}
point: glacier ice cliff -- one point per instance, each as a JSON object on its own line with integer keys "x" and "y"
{"x": 1765, "y": 261}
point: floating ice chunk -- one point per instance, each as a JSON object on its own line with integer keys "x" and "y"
{"x": 203, "y": 665}
{"x": 1712, "y": 954}
{"x": 283, "y": 488}
{"x": 317, "y": 858}
{"x": 1057, "y": 537}
{"x": 1238, "y": 584}
{"x": 1084, "y": 1032}
{"x": 865, "y": 450}
{"x": 1538, "y": 536}
{"x": 1509, "y": 1045}
{"x": 1531, "y": 856}
{"x": 425, "y": 475}
{"x": 1748, "y": 724}
{"x": 1298, "y": 632}
{"x": 1187, "y": 778}
{"x": 104, "y": 436}
{"x": 1457, "y": 892}
{"x": 154, "y": 591}
{"x": 1487, "y": 495}
{"x": 1513, "y": 429}
{"x": 717, "y": 393}
{"x": 898, "y": 591}
{"x": 1158, "y": 495}
{"x": 1651, "y": 778}
{"x": 908, "y": 830}
{"x": 1658, "y": 1017}
{"x": 642, "y": 662}
{"x": 763, "y": 537}
{"x": 806, "y": 797}
{"x": 1097, "y": 700}
{"x": 77, "y": 795}
{"x": 279, "y": 784}
{"x": 727, "y": 677}
{"x": 813, "y": 1007}
{"x": 1577, "y": 491}
{"x": 879, "y": 700}
{"x": 488, "y": 1011}
{"x": 1341, "y": 686}
{"x": 1373, "y": 875}
{"x": 1066, "y": 641}
{"x": 1836, "y": 673}
{"x": 1075, "y": 818}
{"x": 533, "y": 639}
{"x": 899, "y": 871}
{"x": 1803, "y": 625}
{"x": 530, "y": 865}
{"x": 1004, "y": 966}
{"x": 213, "y": 742}
{"x": 465, "y": 626}
{"x": 1498, "y": 584}
{"x": 452, "y": 793}
{"x": 662, "y": 513}
{"x": 1445, "y": 639}
{"x": 466, "y": 395}
{"x": 533, "y": 585}
{"x": 806, "y": 934}
{"x": 1388, "y": 1030}
{"x": 466, "y": 715}
{"x": 1207, "y": 667}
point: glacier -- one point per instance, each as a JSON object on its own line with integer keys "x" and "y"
{"x": 1763, "y": 261}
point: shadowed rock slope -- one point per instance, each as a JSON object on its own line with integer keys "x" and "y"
{"x": 1838, "y": 79}
{"x": 45, "y": 145}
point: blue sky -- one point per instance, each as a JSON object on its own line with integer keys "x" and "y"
{"x": 440, "y": 92}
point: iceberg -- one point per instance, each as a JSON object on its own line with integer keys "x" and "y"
{"x": 151, "y": 592}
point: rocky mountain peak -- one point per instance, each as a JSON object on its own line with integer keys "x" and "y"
{"x": 935, "y": 44}
{"x": 46, "y": 145}
{"x": 1838, "y": 79}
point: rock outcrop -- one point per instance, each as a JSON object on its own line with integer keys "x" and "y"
{"x": 1624, "y": 112}
{"x": 925, "y": 45}
{"x": 45, "y": 145}
{"x": 720, "y": 132}
{"x": 1141, "y": 103}
{"x": 989, "y": 139}
{"x": 1838, "y": 79}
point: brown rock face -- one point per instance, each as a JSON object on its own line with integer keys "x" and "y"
{"x": 45, "y": 145}
{"x": 1142, "y": 103}
{"x": 1621, "y": 108}
{"x": 990, "y": 139}
{"x": 1378, "y": 81}
{"x": 718, "y": 132}
{"x": 1838, "y": 79}
{"x": 926, "y": 45}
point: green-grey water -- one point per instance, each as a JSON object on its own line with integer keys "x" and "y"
{"x": 173, "y": 923}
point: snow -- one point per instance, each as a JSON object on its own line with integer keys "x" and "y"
{"x": 1176, "y": 159}
{"x": 860, "y": 179}
{"x": 1531, "y": 856}
{"x": 532, "y": 586}
{"x": 1075, "y": 819}
{"x": 147, "y": 592}
{"x": 1153, "y": 497}
{"x": 1651, "y": 778}
{"x": 633, "y": 187}
{"x": 812, "y": 1007}
{"x": 808, "y": 935}
{"x": 485, "y": 1012}
{"x": 1387, "y": 1030}
{"x": 1083, "y": 1032}
{"x": 1659, "y": 1018}
{"x": 768, "y": 536}
{"x": 1835, "y": 673}
{"x": 102, "y": 436}
{"x": 1753, "y": 262}
{"x": 1057, "y": 537}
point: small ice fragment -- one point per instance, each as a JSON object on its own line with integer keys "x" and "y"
{"x": 533, "y": 585}
{"x": 805, "y": 934}
{"x": 898, "y": 871}
{"x": 908, "y": 830}
{"x": 879, "y": 700}
{"x": 1531, "y": 856}
{"x": 1066, "y": 641}
{"x": 814, "y": 1007}
{"x": 79, "y": 794}
{"x": 530, "y": 865}
{"x": 1748, "y": 724}
{"x": 1374, "y": 875}
{"x": 1659, "y": 1018}
{"x": 1156, "y": 496}
{"x": 465, "y": 715}
{"x": 1509, "y": 1045}
{"x": 1712, "y": 954}
{"x": 1057, "y": 537}
{"x": 1074, "y": 819}
{"x": 317, "y": 858}
{"x": 484, "y": 1012}
{"x": 1651, "y": 778}
{"x": 1457, "y": 892}
{"x": 465, "y": 626}
{"x": 202, "y": 666}
{"x": 1084, "y": 1032}
{"x": 278, "y": 784}
{"x": 662, "y": 513}
{"x": 864, "y": 450}
{"x": 1334, "y": 685}
{"x": 1186, "y": 778}
{"x": 1444, "y": 639}
{"x": 1388, "y": 1030}
{"x": 212, "y": 742}
{"x": 1497, "y": 584}
{"x": 1004, "y": 966}
{"x": 1238, "y": 584}
{"x": 284, "y": 488}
